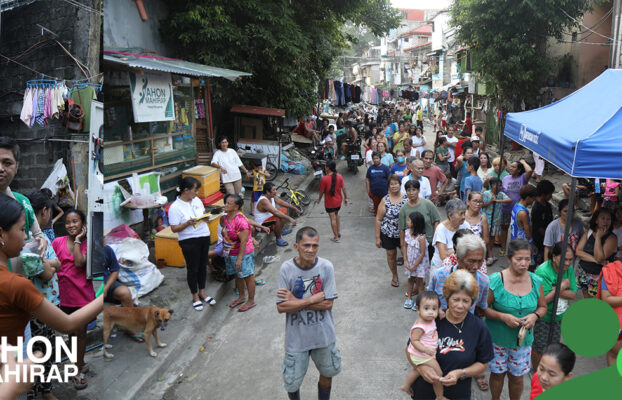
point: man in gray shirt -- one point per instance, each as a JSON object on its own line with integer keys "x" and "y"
{"x": 306, "y": 294}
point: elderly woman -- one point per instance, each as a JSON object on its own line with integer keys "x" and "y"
{"x": 443, "y": 246}
{"x": 515, "y": 302}
{"x": 239, "y": 251}
{"x": 596, "y": 248}
{"x": 387, "y": 224}
{"x": 465, "y": 346}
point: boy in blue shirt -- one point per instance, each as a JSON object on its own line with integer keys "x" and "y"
{"x": 472, "y": 183}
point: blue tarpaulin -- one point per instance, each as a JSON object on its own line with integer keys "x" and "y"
{"x": 581, "y": 133}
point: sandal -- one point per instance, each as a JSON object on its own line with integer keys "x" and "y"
{"x": 198, "y": 305}
{"x": 408, "y": 303}
{"x": 246, "y": 307}
{"x": 236, "y": 303}
{"x": 86, "y": 368}
{"x": 260, "y": 282}
{"x": 286, "y": 232}
{"x": 208, "y": 300}
{"x": 336, "y": 240}
{"x": 281, "y": 243}
{"x": 395, "y": 283}
{"x": 79, "y": 381}
{"x": 482, "y": 383}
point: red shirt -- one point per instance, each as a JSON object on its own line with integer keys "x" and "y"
{"x": 536, "y": 389}
{"x": 468, "y": 126}
{"x": 332, "y": 201}
{"x": 434, "y": 175}
{"x": 458, "y": 150}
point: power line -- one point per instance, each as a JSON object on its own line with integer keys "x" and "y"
{"x": 83, "y": 6}
{"x": 587, "y": 27}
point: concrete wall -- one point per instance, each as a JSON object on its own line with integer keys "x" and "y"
{"x": 78, "y": 31}
{"x": 124, "y": 28}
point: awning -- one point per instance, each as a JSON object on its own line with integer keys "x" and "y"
{"x": 272, "y": 112}
{"x": 172, "y": 65}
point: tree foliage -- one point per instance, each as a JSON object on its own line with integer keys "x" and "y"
{"x": 507, "y": 40}
{"x": 288, "y": 46}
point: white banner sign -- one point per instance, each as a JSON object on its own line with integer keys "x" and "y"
{"x": 152, "y": 96}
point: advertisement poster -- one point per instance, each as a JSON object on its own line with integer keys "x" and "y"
{"x": 152, "y": 96}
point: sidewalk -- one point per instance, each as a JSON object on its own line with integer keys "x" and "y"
{"x": 132, "y": 367}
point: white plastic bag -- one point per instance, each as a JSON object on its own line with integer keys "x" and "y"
{"x": 137, "y": 272}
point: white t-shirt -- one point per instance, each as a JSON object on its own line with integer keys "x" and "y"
{"x": 418, "y": 144}
{"x": 181, "y": 211}
{"x": 232, "y": 163}
{"x": 425, "y": 190}
{"x": 445, "y": 236}
{"x": 368, "y": 160}
{"x": 451, "y": 140}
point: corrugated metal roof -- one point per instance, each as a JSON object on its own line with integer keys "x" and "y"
{"x": 164, "y": 64}
{"x": 274, "y": 112}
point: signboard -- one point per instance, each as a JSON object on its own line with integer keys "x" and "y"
{"x": 152, "y": 96}
{"x": 114, "y": 213}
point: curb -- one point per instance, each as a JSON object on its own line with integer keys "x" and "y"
{"x": 222, "y": 289}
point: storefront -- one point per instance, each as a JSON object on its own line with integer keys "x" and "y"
{"x": 157, "y": 119}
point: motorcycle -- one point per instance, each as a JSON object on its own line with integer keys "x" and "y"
{"x": 354, "y": 158}
{"x": 321, "y": 155}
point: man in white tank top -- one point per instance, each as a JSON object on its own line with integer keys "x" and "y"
{"x": 267, "y": 214}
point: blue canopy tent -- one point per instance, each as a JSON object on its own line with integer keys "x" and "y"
{"x": 581, "y": 133}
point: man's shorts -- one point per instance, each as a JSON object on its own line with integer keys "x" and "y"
{"x": 515, "y": 361}
{"x": 541, "y": 334}
{"x": 248, "y": 265}
{"x": 256, "y": 195}
{"x": 327, "y": 360}
{"x": 110, "y": 294}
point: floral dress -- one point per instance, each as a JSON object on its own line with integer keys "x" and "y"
{"x": 390, "y": 223}
{"x": 412, "y": 253}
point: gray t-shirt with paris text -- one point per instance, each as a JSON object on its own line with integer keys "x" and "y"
{"x": 308, "y": 329}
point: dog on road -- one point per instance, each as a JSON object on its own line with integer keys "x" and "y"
{"x": 144, "y": 319}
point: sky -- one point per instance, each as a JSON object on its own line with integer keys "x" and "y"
{"x": 421, "y": 4}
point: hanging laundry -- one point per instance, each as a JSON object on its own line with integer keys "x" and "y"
{"x": 83, "y": 98}
{"x": 341, "y": 101}
{"x": 26, "y": 113}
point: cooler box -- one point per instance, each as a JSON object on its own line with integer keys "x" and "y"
{"x": 167, "y": 248}
{"x": 213, "y": 227}
{"x": 212, "y": 199}
{"x": 208, "y": 176}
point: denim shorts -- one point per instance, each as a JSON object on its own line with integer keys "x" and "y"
{"x": 515, "y": 361}
{"x": 248, "y": 265}
{"x": 327, "y": 360}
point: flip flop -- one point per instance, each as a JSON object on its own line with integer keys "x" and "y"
{"x": 286, "y": 232}
{"x": 208, "y": 300}
{"x": 335, "y": 240}
{"x": 395, "y": 283}
{"x": 79, "y": 381}
{"x": 198, "y": 305}
{"x": 281, "y": 243}
{"x": 236, "y": 303}
{"x": 260, "y": 282}
{"x": 246, "y": 307}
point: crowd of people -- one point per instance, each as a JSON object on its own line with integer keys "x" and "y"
{"x": 470, "y": 320}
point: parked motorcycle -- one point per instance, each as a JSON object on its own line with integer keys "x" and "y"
{"x": 354, "y": 158}
{"x": 320, "y": 155}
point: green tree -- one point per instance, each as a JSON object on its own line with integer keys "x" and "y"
{"x": 288, "y": 46}
{"x": 507, "y": 40}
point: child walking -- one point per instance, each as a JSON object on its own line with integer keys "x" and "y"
{"x": 424, "y": 342}
{"x": 259, "y": 179}
{"x": 416, "y": 255}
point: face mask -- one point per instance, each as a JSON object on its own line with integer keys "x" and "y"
{"x": 400, "y": 159}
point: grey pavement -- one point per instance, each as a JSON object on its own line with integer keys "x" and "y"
{"x": 223, "y": 354}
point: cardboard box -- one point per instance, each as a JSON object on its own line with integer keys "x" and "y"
{"x": 208, "y": 176}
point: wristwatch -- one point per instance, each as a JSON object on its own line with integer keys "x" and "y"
{"x": 463, "y": 377}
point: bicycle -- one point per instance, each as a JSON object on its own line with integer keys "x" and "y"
{"x": 296, "y": 197}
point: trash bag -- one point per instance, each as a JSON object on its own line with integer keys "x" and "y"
{"x": 137, "y": 272}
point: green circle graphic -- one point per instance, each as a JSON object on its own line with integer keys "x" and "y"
{"x": 619, "y": 363}
{"x": 590, "y": 327}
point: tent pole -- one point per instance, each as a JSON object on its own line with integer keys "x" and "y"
{"x": 494, "y": 204}
{"x": 562, "y": 259}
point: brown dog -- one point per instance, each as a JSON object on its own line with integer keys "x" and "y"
{"x": 144, "y": 319}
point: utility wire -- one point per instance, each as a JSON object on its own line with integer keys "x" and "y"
{"x": 83, "y": 6}
{"x": 588, "y": 28}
